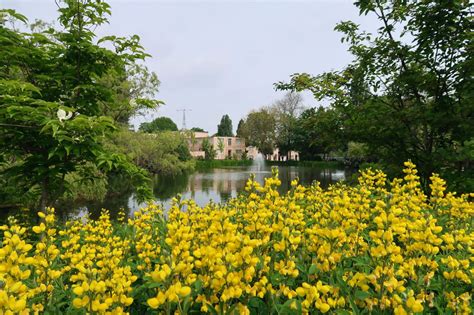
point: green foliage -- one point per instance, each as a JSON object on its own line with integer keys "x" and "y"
{"x": 197, "y": 129}
{"x": 165, "y": 153}
{"x": 286, "y": 113}
{"x": 318, "y": 132}
{"x": 205, "y": 164}
{"x": 462, "y": 158}
{"x": 380, "y": 247}
{"x": 240, "y": 128}
{"x": 408, "y": 94}
{"x": 86, "y": 183}
{"x": 224, "y": 129}
{"x": 54, "y": 91}
{"x": 183, "y": 150}
{"x": 258, "y": 129}
{"x": 357, "y": 151}
{"x": 209, "y": 152}
{"x": 11, "y": 194}
{"x": 220, "y": 145}
{"x": 159, "y": 124}
{"x": 132, "y": 92}
{"x": 314, "y": 164}
{"x": 274, "y": 126}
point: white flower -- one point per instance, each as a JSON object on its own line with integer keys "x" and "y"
{"x": 63, "y": 115}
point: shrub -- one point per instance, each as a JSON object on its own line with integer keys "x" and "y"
{"x": 164, "y": 153}
{"x": 379, "y": 247}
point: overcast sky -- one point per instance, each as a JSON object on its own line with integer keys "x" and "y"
{"x": 222, "y": 57}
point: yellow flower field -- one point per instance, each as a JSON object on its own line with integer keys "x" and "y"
{"x": 378, "y": 247}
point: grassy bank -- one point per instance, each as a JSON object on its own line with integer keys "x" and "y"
{"x": 205, "y": 164}
{"x": 318, "y": 164}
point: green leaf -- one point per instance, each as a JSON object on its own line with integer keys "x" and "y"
{"x": 231, "y": 310}
{"x": 198, "y": 286}
{"x": 154, "y": 285}
{"x": 212, "y": 309}
{"x": 361, "y": 295}
{"x": 258, "y": 304}
{"x": 14, "y": 14}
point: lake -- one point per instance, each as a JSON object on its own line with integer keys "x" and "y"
{"x": 217, "y": 184}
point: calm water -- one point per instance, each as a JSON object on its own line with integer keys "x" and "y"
{"x": 217, "y": 184}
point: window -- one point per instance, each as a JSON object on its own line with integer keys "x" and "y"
{"x": 229, "y": 141}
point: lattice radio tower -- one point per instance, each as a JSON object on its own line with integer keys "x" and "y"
{"x": 184, "y": 110}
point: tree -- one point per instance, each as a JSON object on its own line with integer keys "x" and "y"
{"x": 159, "y": 124}
{"x": 357, "y": 152}
{"x": 240, "y": 127}
{"x": 286, "y": 111}
{"x": 408, "y": 94}
{"x": 197, "y": 129}
{"x": 165, "y": 153}
{"x": 209, "y": 152}
{"x": 259, "y": 130}
{"x": 318, "y": 131}
{"x": 51, "y": 93}
{"x": 220, "y": 145}
{"x": 224, "y": 129}
{"x": 290, "y": 105}
{"x": 133, "y": 92}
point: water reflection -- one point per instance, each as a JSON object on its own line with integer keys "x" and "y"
{"x": 218, "y": 185}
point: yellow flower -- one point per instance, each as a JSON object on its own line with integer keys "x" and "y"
{"x": 399, "y": 310}
{"x": 417, "y": 307}
{"x": 17, "y": 306}
{"x": 78, "y": 290}
{"x": 323, "y": 307}
{"x": 79, "y": 303}
{"x": 414, "y": 305}
{"x": 380, "y": 237}
{"x": 153, "y": 303}
{"x": 39, "y": 228}
{"x": 300, "y": 291}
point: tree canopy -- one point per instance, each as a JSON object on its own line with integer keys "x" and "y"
{"x": 259, "y": 130}
{"x": 274, "y": 126}
{"x": 197, "y": 129}
{"x": 207, "y": 147}
{"x": 408, "y": 94}
{"x": 165, "y": 153}
{"x": 56, "y": 103}
{"x": 286, "y": 111}
{"x": 159, "y": 124}
{"x": 318, "y": 131}
{"x": 224, "y": 128}
{"x": 240, "y": 129}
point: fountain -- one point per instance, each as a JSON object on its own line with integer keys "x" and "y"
{"x": 258, "y": 163}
